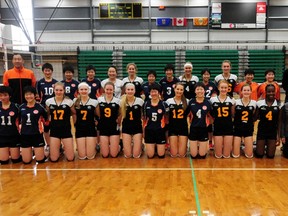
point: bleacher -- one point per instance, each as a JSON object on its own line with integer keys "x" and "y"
{"x": 258, "y": 60}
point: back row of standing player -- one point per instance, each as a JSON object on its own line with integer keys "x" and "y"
{"x": 223, "y": 107}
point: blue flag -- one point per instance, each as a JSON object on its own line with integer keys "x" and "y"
{"x": 163, "y": 22}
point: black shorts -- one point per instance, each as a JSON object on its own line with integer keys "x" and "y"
{"x": 243, "y": 132}
{"x": 223, "y": 130}
{"x": 198, "y": 134}
{"x": 210, "y": 128}
{"x": 60, "y": 133}
{"x": 85, "y": 132}
{"x": 178, "y": 131}
{"x": 155, "y": 136}
{"x": 10, "y": 141}
{"x": 132, "y": 130}
{"x": 46, "y": 128}
{"x": 271, "y": 135}
{"x": 35, "y": 141}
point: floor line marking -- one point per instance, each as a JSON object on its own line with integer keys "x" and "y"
{"x": 144, "y": 169}
{"x": 195, "y": 188}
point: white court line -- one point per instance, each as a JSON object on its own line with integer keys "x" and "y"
{"x": 144, "y": 169}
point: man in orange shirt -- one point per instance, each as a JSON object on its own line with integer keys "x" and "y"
{"x": 17, "y": 78}
{"x": 249, "y": 76}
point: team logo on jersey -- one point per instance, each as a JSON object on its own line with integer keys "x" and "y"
{"x": 227, "y": 103}
{"x": 204, "y": 107}
{"x": 275, "y": 108}
{"x": 11, "y": 113}
{"x": 135, "y": 107}
{"x": 173, "y": 86}
{"x": 73, "y": 85}
{"x": 172, "y": 106}
{"x": 35, "y": 111}
{"x": 94, "y": 84}
{"x": 210, "y": 87}
{"x": 250, "y": 108}
{"x": 88, "y": 107}
{"x": 113, "y": 105}
{"x": 101, "y": 104}
{"x": 159, "y": 111}
{"x": 64, "y": 106}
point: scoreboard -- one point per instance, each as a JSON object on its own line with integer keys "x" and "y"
{"x": 120, "y": 10}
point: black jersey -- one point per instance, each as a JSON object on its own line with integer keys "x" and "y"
{"x": 232, "y": 80}
{"x": 109, "y": 112}
{"x": 244, "y": 115}
{"x": 200, "y": 112}
{"x": 210, "y": 89}
{"x": 71, "y": 88}
{"x": 189, "y": 91}
{"x": 133, "y": 116}
{"x": 32, "y": 119}
{"x": 177, "y": 114}
{"x": 155, "y": 115}
{"x": 268, "y": 116}
{"x": 60, "y": 113}
{"x": 85, "y": 113}
{"x": 95, "y": 85}
{"x": 168, "y": 87}
{"x": 138, "y": 81}
{"x": 222, "y": 111}
{"x": 45, "y": 89}
{"x": 9, "y": 120}
{"x": 145, "y": 88}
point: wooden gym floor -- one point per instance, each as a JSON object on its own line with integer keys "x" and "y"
{"x": 142, "y": 187}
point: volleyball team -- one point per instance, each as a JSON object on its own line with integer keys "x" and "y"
{"x": 176, "y": 112}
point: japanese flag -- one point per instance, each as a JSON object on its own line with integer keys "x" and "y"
{"x": 179, "y": 21}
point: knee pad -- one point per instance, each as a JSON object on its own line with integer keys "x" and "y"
{"x": 18, "y": 160}
{"x": 29, "y": 162}
{"x": 161, "y": 156}
{"x": 193, "y": 157}
{"x": 4, "y": 162}
{"x": 42, "y": 161}
{"x": 54, "y": 161}
{"x": 202, "y": 156}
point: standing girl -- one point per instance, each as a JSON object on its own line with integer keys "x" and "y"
{"x": 168, "y": 82}
{"x": 60, "y": 109}
{"x": 133, "y": 78}
{"x": 94, "y": 83}
{"x": 86, "y": 135}
{"x": 178, "y": 126}
{"x": 112, "y": 77}
{"x": 199, "y": 108}
{"x": 268, "y": 127}
{"x": 188, "y": 80}
{"x": 154, "y": 123}
{"x": 32, "y": 117}
{"x": 108, "y": 111}
{"x": 131, "y": 110}
{"x": 243, "y": 122}
{"x": 9, "y": 135}
{"x": 222, "y": 112}
{"x": 226, "y": 75}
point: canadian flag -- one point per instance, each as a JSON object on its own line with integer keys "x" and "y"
{"x": 179, "y": 21}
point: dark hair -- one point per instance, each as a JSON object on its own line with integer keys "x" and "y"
{"x": 205, "y": 70}
{"x": 6, "y": 89}
{"x": 268, "y": 71}
{"x": 153, "y": 72}
{"x": 48, "y": 66}
{"x": 29, "y": 89}
{"x": 269, "y": 85}
{"x": 90, "y": 67}
{"x": 249, "y": 71}
{"x": 155, "y": 86}
{"x": 68, "y": 68}
{"x": 169, "y": 67}
{"x": 112, "y": 66}
{"x": 199, "y": 84}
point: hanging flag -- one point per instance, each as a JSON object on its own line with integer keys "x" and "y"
{"x": 200, "y": 21}
{"x": 163, "y": 22}
{"x": 179, "y": 21}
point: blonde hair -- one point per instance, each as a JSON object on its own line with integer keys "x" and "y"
{"x": 124, "y": 101}
{"x": 63, "y": 86}
{"x": 132, "y": 63}
{"x": 183, "y": 98}
{"x": 227, "y": 61}
{"x": 78, "y": 100}
{"x": 185, "y": 65}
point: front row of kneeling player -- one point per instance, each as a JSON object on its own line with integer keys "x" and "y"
{"x": 233, "y": 122}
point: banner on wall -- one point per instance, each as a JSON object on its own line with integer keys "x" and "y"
{"x": 179, "y": 21}
{"x": 200, "y": 21}
{"x": 163, "y": 21}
